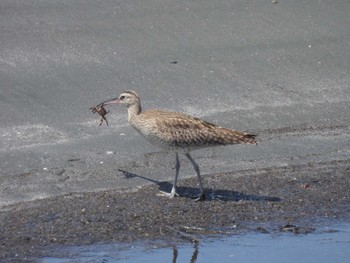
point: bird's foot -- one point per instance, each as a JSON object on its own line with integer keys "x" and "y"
{"x": 201, "y": 197}
{"x": 170, "y": 195}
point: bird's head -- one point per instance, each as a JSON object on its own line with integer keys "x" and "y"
{"x": 128, "y": 98}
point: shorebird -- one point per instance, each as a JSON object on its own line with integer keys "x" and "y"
{"x": 178, "y": 132}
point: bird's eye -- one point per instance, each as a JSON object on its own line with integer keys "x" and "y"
{"x": 122, "y": 97}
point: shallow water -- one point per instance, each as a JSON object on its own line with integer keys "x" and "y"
{"x": 330, "y": 244}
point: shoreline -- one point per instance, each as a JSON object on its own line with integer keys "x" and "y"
{"x": 264, "y": 200}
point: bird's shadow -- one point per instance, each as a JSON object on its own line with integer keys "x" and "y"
{"x": 210, "y": 194}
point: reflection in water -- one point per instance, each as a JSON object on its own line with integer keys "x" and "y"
{"x": 330, "y": 244}
{"x": 175, "y": 254}
{"x": 194, "y": 255}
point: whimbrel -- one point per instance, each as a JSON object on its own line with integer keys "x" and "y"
{"x": 178, "y": 132}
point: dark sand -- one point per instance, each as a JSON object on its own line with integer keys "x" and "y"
{"x": 305, "y": 196}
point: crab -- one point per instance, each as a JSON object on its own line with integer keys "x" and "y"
{"x": 101, "y": 111}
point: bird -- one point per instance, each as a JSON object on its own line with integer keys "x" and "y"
{"x": 177, "y": 132}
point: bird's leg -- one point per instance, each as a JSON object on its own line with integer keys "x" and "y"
{"x": 196, "y": 168}
{"x": 173, "y": 189}
{"x": 177, "y": 169}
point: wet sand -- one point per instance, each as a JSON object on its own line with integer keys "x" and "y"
{"x": 304, "y": 196}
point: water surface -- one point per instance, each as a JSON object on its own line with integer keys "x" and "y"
{"x": 330, "y": 244}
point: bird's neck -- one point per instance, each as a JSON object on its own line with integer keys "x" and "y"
{"x": 133, "y": 111}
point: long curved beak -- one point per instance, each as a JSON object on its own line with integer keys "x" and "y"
{"x": 108, "y": 102}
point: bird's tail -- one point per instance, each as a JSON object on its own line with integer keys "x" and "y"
{"x": 228, "y": 136}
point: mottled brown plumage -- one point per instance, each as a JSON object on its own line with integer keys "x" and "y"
{"x": 178, "y": 132}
